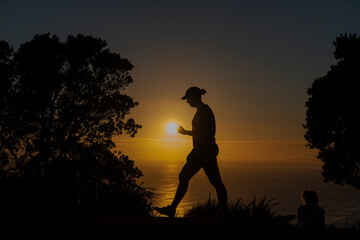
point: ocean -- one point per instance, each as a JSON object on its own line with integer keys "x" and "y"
{"x": 280, "y": 180}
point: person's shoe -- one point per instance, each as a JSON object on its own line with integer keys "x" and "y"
{"x": 168, "y": 211}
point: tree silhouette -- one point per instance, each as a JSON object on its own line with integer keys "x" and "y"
{"x": 6, "y": 72}
{"x": 61, "y": 105}
{"x": 333, "y": 117}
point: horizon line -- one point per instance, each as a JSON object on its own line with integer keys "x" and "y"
{"x": 219, "y": 141}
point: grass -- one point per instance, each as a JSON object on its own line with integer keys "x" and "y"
{"x": 256, "y": 211}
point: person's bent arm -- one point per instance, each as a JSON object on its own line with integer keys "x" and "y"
{"x": 181, "y": 130}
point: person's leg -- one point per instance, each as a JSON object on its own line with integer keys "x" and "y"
{"x": 191, "y": 167}
{"x": 211, "y": 170}
{"x": 188, "y": 171}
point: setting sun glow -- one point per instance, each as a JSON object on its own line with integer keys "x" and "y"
{"x": 171, "y": 128}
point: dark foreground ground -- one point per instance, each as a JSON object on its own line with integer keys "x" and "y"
{"x": 55, "y": 225}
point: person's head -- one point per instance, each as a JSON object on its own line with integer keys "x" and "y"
{"x": 310, "y": 197}
{"x": 193, "y": 96}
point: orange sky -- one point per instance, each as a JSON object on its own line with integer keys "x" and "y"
{"x": 252, "y": 124}
{"x": 256, "y": 59}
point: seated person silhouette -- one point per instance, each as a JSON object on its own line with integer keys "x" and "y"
{"x": 203, "y": 155}
{"x": 310, "y": 215}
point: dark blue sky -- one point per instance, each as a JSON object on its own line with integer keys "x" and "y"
{"x": 256, "y": 59}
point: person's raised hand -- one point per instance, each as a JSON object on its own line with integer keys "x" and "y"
{"x": 181, "y": 130}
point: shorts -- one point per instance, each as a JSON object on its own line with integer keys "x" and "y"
{"x": 205, "y": 158}
{"x": 202, "y": 155}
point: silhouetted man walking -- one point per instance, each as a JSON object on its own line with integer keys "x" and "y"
{"x": 203, "y": 154}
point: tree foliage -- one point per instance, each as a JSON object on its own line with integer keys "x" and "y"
{"x": 61, "y": 105}
{"x": 333, "y": 117}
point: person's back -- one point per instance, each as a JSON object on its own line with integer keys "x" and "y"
{"x": 310, "y": 215}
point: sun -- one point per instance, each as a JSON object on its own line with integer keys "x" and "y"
{"x": 171, "y": 128}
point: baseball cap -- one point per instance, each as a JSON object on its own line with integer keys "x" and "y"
{"x": 193, "y": 92}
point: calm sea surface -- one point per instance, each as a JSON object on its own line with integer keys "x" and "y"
{"x": 282, "y": 181}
